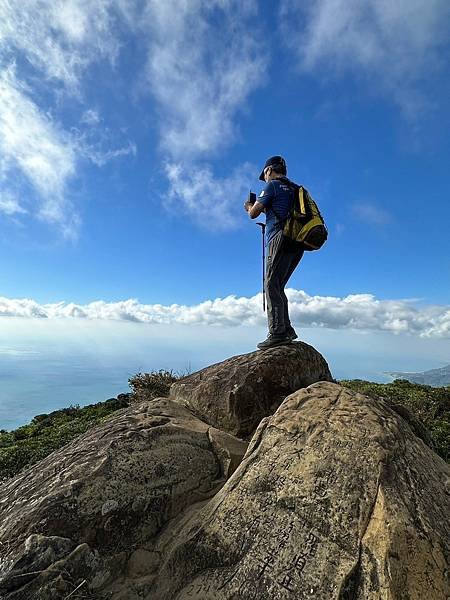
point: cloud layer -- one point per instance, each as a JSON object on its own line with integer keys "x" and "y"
{"x": 361, "y": 312}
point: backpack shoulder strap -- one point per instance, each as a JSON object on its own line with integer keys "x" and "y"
{"x": 301, "y": 193}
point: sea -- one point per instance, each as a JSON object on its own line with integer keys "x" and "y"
{"x": 46, "y": 365}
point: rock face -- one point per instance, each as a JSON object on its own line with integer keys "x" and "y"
{"x": 81, "y": 512}
{"x": 236, "y": 394}
{"x": 336, "y": 498}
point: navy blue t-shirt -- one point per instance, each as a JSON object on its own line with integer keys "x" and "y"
{"x": 277, "y": 198}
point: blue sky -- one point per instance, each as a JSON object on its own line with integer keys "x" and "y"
{"x": 132, "y": 130}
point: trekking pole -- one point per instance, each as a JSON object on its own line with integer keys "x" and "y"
{"x": 263, "y": 227}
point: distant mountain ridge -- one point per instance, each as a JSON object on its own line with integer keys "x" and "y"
{"x": 435, "y": 377}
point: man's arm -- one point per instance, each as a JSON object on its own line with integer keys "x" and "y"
{"x": 254, "y": 210}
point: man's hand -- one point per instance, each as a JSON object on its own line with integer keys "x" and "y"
{"x": 248, "y": 205}
{"x": 254, "y": 210}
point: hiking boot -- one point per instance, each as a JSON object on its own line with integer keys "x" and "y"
{"x": 274, "y": 340}
{"x": 290, "y": 332}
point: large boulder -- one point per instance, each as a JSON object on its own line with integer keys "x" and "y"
{"x": 336, "y": 498}
{"x": 80, "y": 514}
{"x": 234, "y": 395}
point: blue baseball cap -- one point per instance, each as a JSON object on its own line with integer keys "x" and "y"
{"x": 276, "y": 162}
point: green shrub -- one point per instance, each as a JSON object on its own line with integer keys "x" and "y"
{"x": 46, "y": 433}
{"x": 147, "y": 386}
{"x": 430, "y": 405}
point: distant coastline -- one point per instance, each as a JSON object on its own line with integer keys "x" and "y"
{"x": 434, "y": 377}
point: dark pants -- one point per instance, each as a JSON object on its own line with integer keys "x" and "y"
{"x": 282, "y": 258}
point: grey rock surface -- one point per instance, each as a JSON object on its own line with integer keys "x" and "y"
{"x": 234, "y": 395}
{"x": 83, "y": 511}
{"x": 336, "y": 498}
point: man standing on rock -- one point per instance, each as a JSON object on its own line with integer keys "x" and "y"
{"x": 283, "y": 255}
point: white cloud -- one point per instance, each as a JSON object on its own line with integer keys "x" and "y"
{"x": 90, "y": 117}
{"x": 31, "y": 142}
{"x": 204, "y": 62}
{"x": 395, "y": 44}
{"x": 355, "y": 312}
{"x": 10, "y": 205}
{"x": 98, "y": 149}
{"x": 372, "y": 214}
{"x": 204, "y": 59}
{"x": 59, "y": 39}
{"x": 49, "y": 47}
{"x": 101, "y": 157}
{"x": 213, "y": 203}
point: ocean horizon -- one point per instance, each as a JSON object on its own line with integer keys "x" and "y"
{"x": 49, "y": 365}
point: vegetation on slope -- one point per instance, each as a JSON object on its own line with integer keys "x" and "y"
{"x": 430, "y": 406}
{"x": 156, "y": 384}
{"x": 48, "y": 432}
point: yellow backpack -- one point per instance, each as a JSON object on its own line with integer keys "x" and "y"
{"x": 304, "y": 222}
